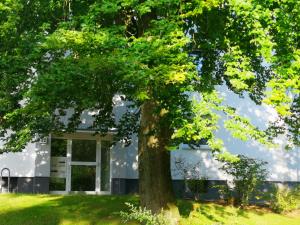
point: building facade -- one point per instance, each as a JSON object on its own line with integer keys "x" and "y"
{"x": 82, "y": 162}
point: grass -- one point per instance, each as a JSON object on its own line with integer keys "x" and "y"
{"x": 18, "y": 209}
{"x": 214, "y": 214}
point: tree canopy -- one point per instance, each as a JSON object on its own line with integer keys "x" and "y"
{"x": 79, "y": 54}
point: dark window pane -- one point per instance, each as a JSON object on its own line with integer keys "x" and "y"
{"x": 57, "y": 184}
{"x": 84, "y": 150}
{"x": 105, "y": 166}
{"x": 83, "y": 178}
{"x": 195, "y": 144}
{"x": 59, "y": 147}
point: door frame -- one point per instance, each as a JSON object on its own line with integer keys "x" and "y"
{"x": 97, "y": 163}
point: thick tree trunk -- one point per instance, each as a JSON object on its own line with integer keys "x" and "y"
{"x": 155, "y": 182}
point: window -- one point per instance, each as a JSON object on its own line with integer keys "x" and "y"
{"x": 194, "y": 145}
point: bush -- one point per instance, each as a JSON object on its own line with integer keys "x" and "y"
{"x": 284, "y": 199}
{"x": 198, "y": 186}
{"x": 247, "y": 174}
{"x": 143, "y": 216}
{"x": 226, "y": 193}
{"x": 191, "y": 173}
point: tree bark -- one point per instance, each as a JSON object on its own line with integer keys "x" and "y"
{"x": 155, "y": 182}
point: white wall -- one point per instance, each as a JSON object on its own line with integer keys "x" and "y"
{"x": 33, "y": 161}
{"x": 119, "y": 161}
{"x": 124, "y": 160}
{"x": 21, "y": 164}
{"x": 282, "y": 165}
{"x": 42, "y": 160}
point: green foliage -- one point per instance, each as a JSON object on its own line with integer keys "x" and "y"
{"x": 247, "y": 175}
{"x": 143, "y": 216}
{"x": 198, "y": 186}
{"x": 226, "y": 193}
{"x": 284, "y": 199}
{"x": 191, "y": 173}
{"x": 53, "y": 52}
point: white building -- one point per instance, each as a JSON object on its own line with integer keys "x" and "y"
{"x": 82, "y": 162}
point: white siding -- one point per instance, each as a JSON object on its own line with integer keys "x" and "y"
{"x": 282, "y": 165}
{"x": 124, "y": 160}
{"x": 119, "y": 161}
{"x": 21, "y": 164}
{"x": 42, "y": 160}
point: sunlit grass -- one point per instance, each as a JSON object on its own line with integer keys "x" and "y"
{"x": 214, "y": 214}
{"x": 18, "y": 209}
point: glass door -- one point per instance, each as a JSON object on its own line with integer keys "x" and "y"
{"x": 80, "y": 166}
{"x": 84, "y": 167}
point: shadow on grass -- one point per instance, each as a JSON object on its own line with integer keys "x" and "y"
{"x": 79, "y": 209}
{"x": 96, "y": 210}
{"x": 185, "y": 208}
{"x": 208, "y": 214}
{"x": 212, "y": 212}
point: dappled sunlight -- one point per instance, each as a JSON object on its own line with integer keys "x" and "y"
{"x": 283, "y": 165}
{"x": 125, "y": 160}
{"x": 99, "y": 210}
{"x": 210, "y": 213}
{"x": 12, "y": 202}
{"x": 26, "y": 161}
{"x": 62, "y": 210}
{"x": 203, "y": 158}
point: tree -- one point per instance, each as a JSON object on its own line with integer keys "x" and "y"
{"x": 59, "y": 55}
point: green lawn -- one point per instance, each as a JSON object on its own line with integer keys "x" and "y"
{"x": 17, "y": 209}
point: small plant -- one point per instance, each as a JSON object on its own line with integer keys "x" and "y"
{"x": 285, "y": 199}
{"x": 194, "y": 181}
{"x": 226, "y": 193}
{"x": 198, "y": 186}
{"x": 143, "y": 216}
{"x": 247, "y": 174}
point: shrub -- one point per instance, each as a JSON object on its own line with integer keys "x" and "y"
{"x": 226, "y": 193}
{"x": 198, "y": 186}
{"x": 143, "y": 216}
{"x": 194, "y": 181}
{"x": 247, "y": 174}
{"x": 284, "y": 199}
